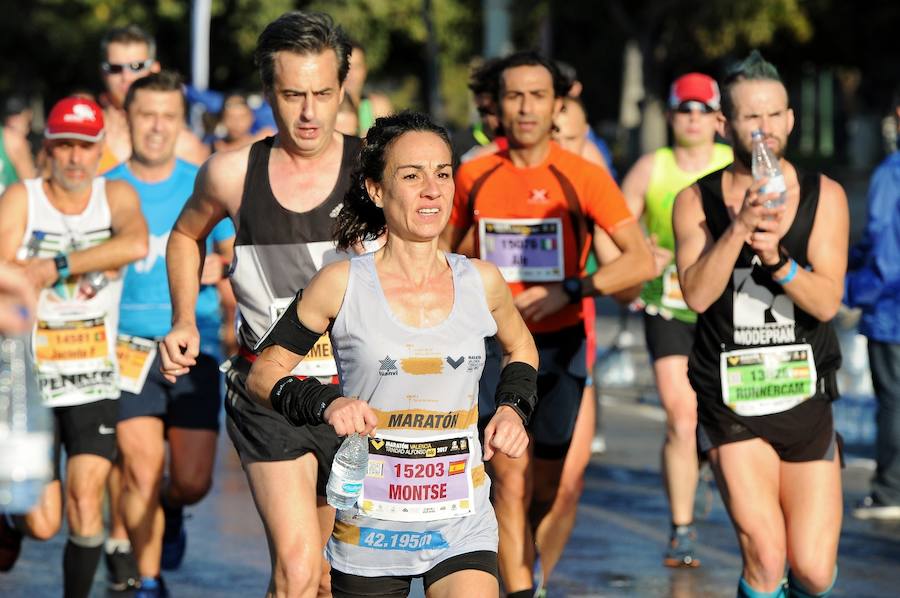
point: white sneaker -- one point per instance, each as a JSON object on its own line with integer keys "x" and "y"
{"x": 871, "y": 508}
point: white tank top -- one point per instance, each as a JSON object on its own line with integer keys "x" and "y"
{"x": 75, "y": 336}
{"x": 426, "y": 497}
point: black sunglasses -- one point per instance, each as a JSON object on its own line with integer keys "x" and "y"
{"x": 691, "y": 105}
{"x": 135, "y": 67}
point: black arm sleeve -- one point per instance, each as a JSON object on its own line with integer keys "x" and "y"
{"x": 518, "y": 389}
{"x": 303, "y": 402}
{"x": 289, "y": 332}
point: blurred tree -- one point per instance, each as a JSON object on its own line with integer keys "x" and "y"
{"x": 49, "y": 47}
{"x": 394, "y": 36}
{"x": 674, "y": 36}
{"x": 62, "y": 38}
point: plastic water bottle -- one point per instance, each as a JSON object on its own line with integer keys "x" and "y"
{"x": 348, "y": 472}
{"x": 91, "y": 284}
{"x": 765, "y": 164}
{"x": 26, "y": 437}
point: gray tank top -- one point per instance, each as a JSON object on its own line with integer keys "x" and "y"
{"x": 426, "y": 496}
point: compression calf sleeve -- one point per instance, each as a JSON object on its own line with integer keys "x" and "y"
{"x": 80, "y": 559}
{"x": 746, "y": 591}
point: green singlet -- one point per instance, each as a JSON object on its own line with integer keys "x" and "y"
{"x": 8, "y": 174}
{"x": 662, "y": 294}
{"x": 366, "y": 115}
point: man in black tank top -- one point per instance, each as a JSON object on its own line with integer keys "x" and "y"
{"x": 765, "y": 282}
{"x": 282, "y": 194}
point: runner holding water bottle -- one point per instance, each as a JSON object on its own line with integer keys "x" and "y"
{"x": 408, "y": 325}
{"x": 765, "y": 282}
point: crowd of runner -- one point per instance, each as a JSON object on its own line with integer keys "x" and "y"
{"x": 379, "y": 289}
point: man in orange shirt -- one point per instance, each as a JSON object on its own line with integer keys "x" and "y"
{"x": 533, "y": 208}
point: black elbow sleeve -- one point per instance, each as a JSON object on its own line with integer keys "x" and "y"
{"x": 289, "y": 332}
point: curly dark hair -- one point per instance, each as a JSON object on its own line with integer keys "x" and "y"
{"x": 360, "y": 219}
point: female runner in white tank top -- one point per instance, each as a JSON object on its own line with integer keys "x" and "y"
{"x": 408, "y": 324}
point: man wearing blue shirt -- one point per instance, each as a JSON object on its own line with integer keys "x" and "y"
{"x": 873, "y": 284}
{"x": 153, "y": 410}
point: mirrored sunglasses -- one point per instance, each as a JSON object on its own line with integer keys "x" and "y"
{"x": 691, "y": 105}
{"x": 135, "y": 67}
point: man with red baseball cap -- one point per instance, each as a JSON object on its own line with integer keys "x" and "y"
{"x": 695, "y": 87}
{"x": 650, "y": 188}
{"x": 69, "y": 235}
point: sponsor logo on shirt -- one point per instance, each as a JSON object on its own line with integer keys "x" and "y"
{"x": 388, "y": 366}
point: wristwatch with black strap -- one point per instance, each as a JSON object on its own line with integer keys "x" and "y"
{"x": 572, "y": 288}
{"x": 783, "y": 258}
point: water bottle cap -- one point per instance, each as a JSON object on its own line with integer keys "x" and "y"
{"x": 757, "y": 134}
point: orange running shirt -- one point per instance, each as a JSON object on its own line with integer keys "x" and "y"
{"x": 535, "y": 223}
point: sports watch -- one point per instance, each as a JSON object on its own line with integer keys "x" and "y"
{"x": 61, "y": 261}
{"x": 518, "y": 404}
{"x": 572, "y": 287}
{"x": 783, "y": 258}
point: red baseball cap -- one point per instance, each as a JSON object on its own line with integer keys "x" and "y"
{"x": 75, "y": 118}
{"x": 695, "y": 87}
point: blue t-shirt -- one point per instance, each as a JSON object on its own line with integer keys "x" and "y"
{"x": 146, "y": 308}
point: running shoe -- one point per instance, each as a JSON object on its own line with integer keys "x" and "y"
{"x": 598, "y": 444}
{"x": 152, "y": 587}
{"x": 681, "y": 548}
{"x": 121, "y": 570}
{"x": 174, "y": 539}
{"x": 10, "y": 544}
{"x": 872, "y": 508}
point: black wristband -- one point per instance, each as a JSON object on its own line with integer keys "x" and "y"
{"x": 783, "y": 258}
{"x": 518, "y": 389}
{"x": 302, "y": 402}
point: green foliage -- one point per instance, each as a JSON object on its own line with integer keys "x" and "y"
{"x": 394, "y": 35}
{"x": 49, "y": 47}
{"x": 723, "y": 27}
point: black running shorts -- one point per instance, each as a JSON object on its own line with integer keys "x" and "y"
{"x": 344, "y": 585}
{"x": 667, "y": 337}
{"x": 804, "y": 433}
{"x": 560, "y": 382}
{"x": 193, "y": 402}
{"x": 87, "y": 429}
{"x": 261, "y": 434}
